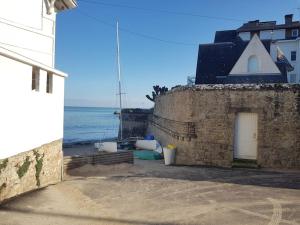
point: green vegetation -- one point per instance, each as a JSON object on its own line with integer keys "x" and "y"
{"x": 22, "y": 170}
{"x": 157, "y": 91}
{"x": 3, "y": 165}
{"x": 38, "y": 166}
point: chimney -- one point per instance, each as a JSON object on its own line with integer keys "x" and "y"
{"x": 288, "y": 18}
{"x": 254, "y": 21}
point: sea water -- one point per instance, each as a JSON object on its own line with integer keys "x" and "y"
{"x": 83, "y": 124}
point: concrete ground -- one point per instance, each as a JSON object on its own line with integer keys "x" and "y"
{"x": 151, "y": 193}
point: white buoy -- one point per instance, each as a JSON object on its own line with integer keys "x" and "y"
{"x": 107, "y": 146}
{"x": 146, "y": 144}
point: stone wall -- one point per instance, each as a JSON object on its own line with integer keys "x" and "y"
{"x": 102, "y": 158}
{"x": 31, "y": 170}
{"x": 135, "y": 122}
{"x": 200, "y": 121}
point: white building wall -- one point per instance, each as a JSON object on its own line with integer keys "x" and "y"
{"x": 287, "y": 46}
{"x": 265, "y": 35}
{"x": 28, "y": 118}
{"x": 27, "y": 29}
{"x": 278, "y": 34}
{"x": 245, "y": 36}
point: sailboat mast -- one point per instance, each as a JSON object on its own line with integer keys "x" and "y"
{"x": 119, "y": 78}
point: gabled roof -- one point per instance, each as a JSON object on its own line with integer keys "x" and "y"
{"x": 216, "y": 60}
{"x": 255, "y": 47}
{"x": 225, "y": 36}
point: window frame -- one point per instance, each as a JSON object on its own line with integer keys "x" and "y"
{"x": 251, "y": 60}
{"x": 297, "y": 33}
{"x": 293, "y": 56}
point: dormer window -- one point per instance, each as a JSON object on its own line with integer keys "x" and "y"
{"x": 253, "y": 64}
{"x": 295, "y": 33}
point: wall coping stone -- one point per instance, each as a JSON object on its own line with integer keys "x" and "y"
{"x": 246, "y": 87}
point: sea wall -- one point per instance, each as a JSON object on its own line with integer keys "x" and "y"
{"x": 200, "y": 121}
{"x": 31, "y": 170}
{"x": 135, "y": 122}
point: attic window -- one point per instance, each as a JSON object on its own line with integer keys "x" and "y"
{"x": 253, "y": 65}
{"x": 295, "y": 33}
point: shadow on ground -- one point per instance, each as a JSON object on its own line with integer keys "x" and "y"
{"x": 85, "y": 218}
{"x": 240, "y": 176}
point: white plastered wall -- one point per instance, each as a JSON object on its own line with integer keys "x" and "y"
{"x": 245, "y": 36}
{"x": 266, "y": 64}
{"x": 28, "y": 118}
{"x": 27, "y": 29}
{"x": 287, "y": 46}
{"x": 265, "y": 35}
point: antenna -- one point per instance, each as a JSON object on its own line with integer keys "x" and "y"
{"x": 119, "y": 78}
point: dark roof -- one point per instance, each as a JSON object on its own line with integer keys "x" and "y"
{"x": 269, "y": 25}
{"x": 217, "y": 59}
{"x": 225, "y": 36}
{"x": 257, "y": 79}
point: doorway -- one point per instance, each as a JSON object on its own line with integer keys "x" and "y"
{"x": 245, "y": 137}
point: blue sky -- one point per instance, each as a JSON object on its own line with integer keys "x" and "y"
{"x": 86, "y": 48}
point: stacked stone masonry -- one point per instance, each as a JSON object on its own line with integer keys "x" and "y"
{"x": 211, "y": 111}
{"x": 135, "y": 122}
{"x": 31, "y": 170}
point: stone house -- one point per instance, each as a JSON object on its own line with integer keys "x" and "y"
{"x": 32, "y": 96}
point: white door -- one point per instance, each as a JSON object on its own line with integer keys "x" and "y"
{"x": 245, "y": 140}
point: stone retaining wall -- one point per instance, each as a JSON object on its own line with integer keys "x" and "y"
{"x": 200, "y": 121}
{"x": 135, "y": 122}
{"x": 31, "y": 170}
{"x": 104, "y": 158}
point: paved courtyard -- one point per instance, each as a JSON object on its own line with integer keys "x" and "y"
{"x": 150, "y": 193}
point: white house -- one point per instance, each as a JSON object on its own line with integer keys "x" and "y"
{"x": 285, "y": 36}
{"x": 31, "y": 94}
{"x": 273, "y": 49}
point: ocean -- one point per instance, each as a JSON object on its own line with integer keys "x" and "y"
{"x": 83, "y": 124}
